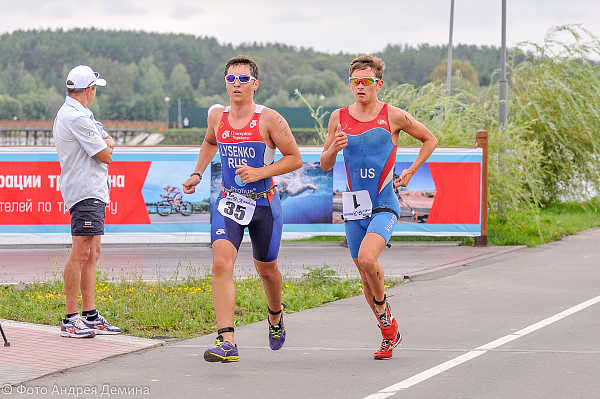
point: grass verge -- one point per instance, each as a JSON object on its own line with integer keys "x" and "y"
{"x": 177, "y": 309}
{"x": 553, "y": 222}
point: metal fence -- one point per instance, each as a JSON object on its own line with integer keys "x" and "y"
{"x": 39, "y": 133}
{"x": 196, "y": 117}
{"x": 43, "y": 136}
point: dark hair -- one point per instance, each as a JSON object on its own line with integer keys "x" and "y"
{"x": 367, "y": 61}
{"x": 243, "y": 60}
{"x": 75, "y": 91}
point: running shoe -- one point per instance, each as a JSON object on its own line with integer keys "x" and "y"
{"x": 276, "y": 334}
{"x": 101, "y": 326}
{"x": 387, "y": 346}
{"x": 224, "y": 352}
{"x": 76, "y": 328}
{"x": 388, "y": 324}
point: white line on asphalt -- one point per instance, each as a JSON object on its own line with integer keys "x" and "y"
{"x": 409, "y": 382}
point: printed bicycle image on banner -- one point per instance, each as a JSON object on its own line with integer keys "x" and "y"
{"x": 305, "y": 194}
{"x": 165, "y": 201}
{"x": 416, "y": 200}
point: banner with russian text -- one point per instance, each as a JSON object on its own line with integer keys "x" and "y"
{"x": 443, "y": 198}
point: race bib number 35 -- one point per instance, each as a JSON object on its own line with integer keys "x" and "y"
{"x": 356, "y": 205}
{"x": 237, "y": 207}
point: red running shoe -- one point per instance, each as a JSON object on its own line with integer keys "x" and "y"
{"x": 387, "y": 346}
{"x": 389, "y": 331}
{"x": 388, "y": 324}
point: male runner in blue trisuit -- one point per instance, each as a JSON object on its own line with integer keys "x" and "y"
{"x": 367, "y": 132}
{"x": 246, "y": 135}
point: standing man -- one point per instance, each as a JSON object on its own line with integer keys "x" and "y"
{"x": 84, "y": 150}
{"x": 246, "y": 135}
{"x": 367, "y": 132}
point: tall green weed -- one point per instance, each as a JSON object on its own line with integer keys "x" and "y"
{"x": 556, "y": 94}
{"x": 514, "y": 174}
{"x": 548, "y": 149}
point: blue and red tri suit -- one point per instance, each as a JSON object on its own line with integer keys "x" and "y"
{"x": 245, "y": 146}
{"x": 370, "y": 157}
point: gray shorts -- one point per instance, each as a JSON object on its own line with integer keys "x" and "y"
{"x": 87, "y": 217}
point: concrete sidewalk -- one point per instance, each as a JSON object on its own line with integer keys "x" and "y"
{"x": 164, "y": 260}
{"x": 37, "y": 350}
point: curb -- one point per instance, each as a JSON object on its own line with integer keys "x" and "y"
{"x": 452, "y": 268}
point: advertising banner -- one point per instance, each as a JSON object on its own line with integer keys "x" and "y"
{"x": 443, "y": 198}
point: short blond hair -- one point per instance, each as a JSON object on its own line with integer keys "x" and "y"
{"x": 368, "y": 61}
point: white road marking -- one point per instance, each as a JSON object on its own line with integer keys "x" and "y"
{"x": 409, "y": 382}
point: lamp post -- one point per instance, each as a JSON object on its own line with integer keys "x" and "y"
{"x": 167, "y": 102}
{"x": 503, "y": 83}
{"x": 449, "y": 66}
{"x": 179, "y": 121}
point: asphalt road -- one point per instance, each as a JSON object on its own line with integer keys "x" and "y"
{"x": 523, "y": 324}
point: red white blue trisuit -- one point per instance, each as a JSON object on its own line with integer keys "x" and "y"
{"x": 238, "y": 199}
{"x": 370, "y": 157}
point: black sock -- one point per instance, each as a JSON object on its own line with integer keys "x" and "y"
{"x": 90, "y": 314}
{"x": 67, "y": 317}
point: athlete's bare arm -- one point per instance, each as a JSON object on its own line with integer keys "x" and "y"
{"x": 276, "y": 133}
{"x": 402, "y": 120}
{"x": 207, "y": 151}
{"x": 336, "y": 141}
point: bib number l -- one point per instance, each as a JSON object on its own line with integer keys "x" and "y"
{"x": 356, "y": 205}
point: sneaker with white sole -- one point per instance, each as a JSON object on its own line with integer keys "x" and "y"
{"x": 76, "y": 328}
{"x": 100, "y": 326}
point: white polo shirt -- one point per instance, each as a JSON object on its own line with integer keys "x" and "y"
{"x": 78, "y": 137}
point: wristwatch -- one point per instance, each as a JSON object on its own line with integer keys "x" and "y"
{"x": 196, "y": 174}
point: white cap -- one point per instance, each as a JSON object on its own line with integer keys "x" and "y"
{"x": 82, "y": 77}
{"x": 215, "y": 106}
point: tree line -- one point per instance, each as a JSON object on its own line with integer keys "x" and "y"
{"x": 142, "y": 69}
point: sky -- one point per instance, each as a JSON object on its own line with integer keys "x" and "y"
{"x": 331, "y": 26}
